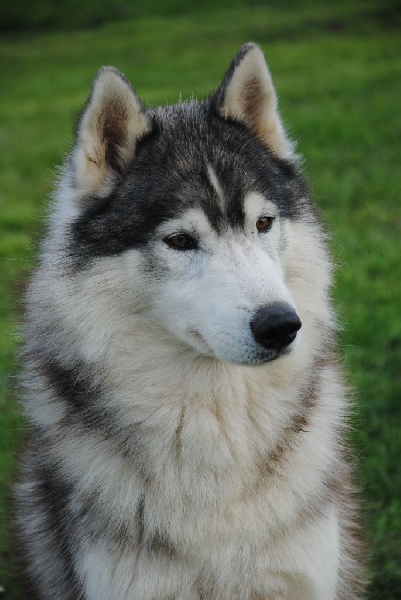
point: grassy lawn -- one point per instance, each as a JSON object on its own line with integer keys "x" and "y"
{"x": 337, "y": 67}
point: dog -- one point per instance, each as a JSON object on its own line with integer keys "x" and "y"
{"x": 186, "y": 403}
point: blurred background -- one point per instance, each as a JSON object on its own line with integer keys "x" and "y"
{"x": 337, "y": 69}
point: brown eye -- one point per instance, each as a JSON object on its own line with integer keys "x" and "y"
{"x": 263, "y": 224}
{"x": 181, "y": 241}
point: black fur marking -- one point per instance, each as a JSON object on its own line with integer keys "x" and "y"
{"x": 300, "y": 422}
{"x": 156, "y": 542}
{"x": 159, "y": 543}
{"x": 70, "y": 384}
{"x": 52, "y": 494}
{"x": 140, "y": 519}
{"x": 169, "y": 175}
{"x": 79, "y": 387}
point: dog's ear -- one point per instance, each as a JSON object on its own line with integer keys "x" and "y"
{"x": 110, "y": 126}
{"x": 247, "y": 95}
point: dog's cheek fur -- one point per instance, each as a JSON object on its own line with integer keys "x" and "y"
{"x": 308, "y": 274}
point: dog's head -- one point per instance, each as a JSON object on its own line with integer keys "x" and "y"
{"x": 199, "y": 202}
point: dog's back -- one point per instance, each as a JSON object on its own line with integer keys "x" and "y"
{"x": 180, "y": 376}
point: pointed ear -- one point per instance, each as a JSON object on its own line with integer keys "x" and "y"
{"x": 110, "y": 127}
{"x": 247, "y": 95}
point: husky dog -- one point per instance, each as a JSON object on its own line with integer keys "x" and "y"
{"x": 184, "y": 396}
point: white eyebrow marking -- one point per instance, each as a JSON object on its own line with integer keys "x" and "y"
{"x": 256, "y": 205}
{"x": 216, "y": 185}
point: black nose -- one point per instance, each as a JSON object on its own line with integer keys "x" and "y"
{"x": 275, "y": 326}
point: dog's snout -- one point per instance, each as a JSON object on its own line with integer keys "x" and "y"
{"x": 275, "y": 326}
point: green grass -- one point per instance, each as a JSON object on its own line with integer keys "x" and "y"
{"x": 338, "y": 72}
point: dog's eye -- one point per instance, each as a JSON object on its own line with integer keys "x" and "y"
{"x": 180, "y": 241}
{"x": 263, "y": 224}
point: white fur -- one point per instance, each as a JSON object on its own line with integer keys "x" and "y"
{"x": 216, "y": 185}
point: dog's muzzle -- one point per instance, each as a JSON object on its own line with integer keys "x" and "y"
{"x": 275, "y": 326}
